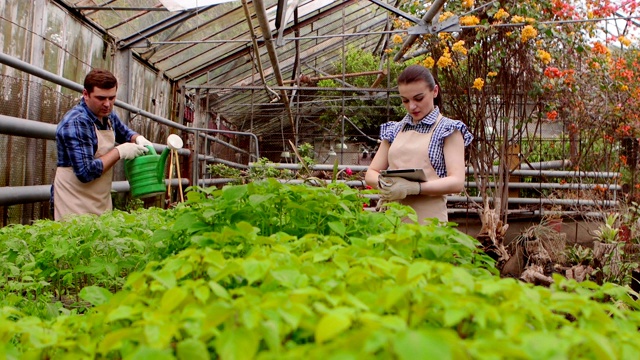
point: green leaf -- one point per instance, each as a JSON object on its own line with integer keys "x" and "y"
{"x": 218, "y": 290}
{"x": 146, "y": 353}
{"x": 330, "y": 326}
{"x": 234, "y": 193}
{"x": 412, "y": 345}
{"x": 192, "y": 349}
{"x": 416, "y": 269}
{"x": 255, "y": 270}
{"x": 121, "y": 312}
{"x": 338, "y": 228}
{"x": 172, "y": 298}
{"x": 257, "y": 199}
{"x": 165, "y": 277}
{"x": 190, "y": 222}
{"x": 237, "y": 344}
{"x": 113, "y": 340}
{"x": 202, "y": 293}
{"x": 271, "y": 335}
{"x": 287, "y": 278}
{"x": 96, "y": 295}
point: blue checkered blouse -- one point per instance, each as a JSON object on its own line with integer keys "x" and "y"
{"x": 390, "y": 130}
{"x": 77, "y": 143}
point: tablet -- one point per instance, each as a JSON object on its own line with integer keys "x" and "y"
{"x": 409, "y": 174}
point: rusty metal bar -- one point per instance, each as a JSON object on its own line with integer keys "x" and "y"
{"x": 427, "y": 18}
{"x": 364, "y": 73}
{"x": 261, "y": 14}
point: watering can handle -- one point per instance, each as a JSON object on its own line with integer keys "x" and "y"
{"x": 152, "y": 150}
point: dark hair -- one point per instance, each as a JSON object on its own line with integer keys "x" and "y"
{"x": 101, "y": 78}
{"x": 416, "y": 73}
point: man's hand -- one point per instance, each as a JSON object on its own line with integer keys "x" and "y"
{"x": 130, "y": 150}
{"x": 141, "y": 140}
{"x": 397, "y": 188}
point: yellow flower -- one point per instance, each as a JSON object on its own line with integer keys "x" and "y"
{"x": 528, "y": 33}
{"x": 445, "y": 60}
{"x": 388, "y": 51}
{"x": 544, "y": 56}
{"x": 492, "y": 74}
{"x": 478, "y": 83}
{"x": 444, "y": 36}
{"x": 467, "y": 3}
{"x": 444, "y": 16}
{"x": 530, "y": 20}
{"x": 459, "y": 47}
{"x": 428, "y": 62}
{"x": 624, "y": 41}
{"x": 397, "y": 39}
{"x": 469, "y": 20}
{"x": 501, "y": 14}
{"x": 624, "y": 88}
{"x": 517, "y": 19}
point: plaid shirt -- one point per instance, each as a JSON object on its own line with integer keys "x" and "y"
{"x": 77, "y": 143}
{"x": 390, "y": 130}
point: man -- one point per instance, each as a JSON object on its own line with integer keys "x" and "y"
{"x": 86, "y": 139}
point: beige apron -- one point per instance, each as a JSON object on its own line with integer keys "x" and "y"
{"x": 407, "y": 151}
{"x": 70, "y": 196}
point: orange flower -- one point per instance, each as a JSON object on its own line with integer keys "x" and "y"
{"x": 599, "y": 48}
{"x": 528, "y": 33}
{"x": 478, "y": 84}
{"x": 552, "y": 115}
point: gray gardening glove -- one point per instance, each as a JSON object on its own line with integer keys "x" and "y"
{"x": 130, "y": 150}
{"x": 397, "y": 188}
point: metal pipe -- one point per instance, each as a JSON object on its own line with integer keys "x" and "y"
{"x": 540, "y": 201}
{"x": 538, "y": 185}
{"x": 213, "y": 159}
{"x": 13, "y": 195}
{"x": 10, "y": 125}
{"x": 288, "y": 88}
{"x": 548, "y": 173}
{"x": 119, "y": 8}
{"x": 319, "y": 167}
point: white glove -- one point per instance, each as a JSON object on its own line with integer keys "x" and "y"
{"x": 130, "y": 150}
{"x": 141, "y": 140}
{"x": 397, "y": 188}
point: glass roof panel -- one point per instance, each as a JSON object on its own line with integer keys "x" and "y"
{"x": 213, "y": 46}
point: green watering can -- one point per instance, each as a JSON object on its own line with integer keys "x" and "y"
{"x": 146, "y": 173}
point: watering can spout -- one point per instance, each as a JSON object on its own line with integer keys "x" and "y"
{"x": 161, "y": 164}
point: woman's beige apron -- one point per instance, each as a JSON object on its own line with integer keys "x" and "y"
{"x": 70, "y": 196}
{"x": 410, "y": 149}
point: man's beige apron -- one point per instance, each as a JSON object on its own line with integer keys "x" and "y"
{"x": 410, "y": 149}
{"x": 70, "y": 196}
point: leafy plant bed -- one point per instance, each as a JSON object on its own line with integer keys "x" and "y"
{"x": 272, "y": 271}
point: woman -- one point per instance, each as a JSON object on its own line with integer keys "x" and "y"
{"x": 422, "y": 139}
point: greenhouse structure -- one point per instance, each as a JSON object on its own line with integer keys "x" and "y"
{"x": 247, "y": 218}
